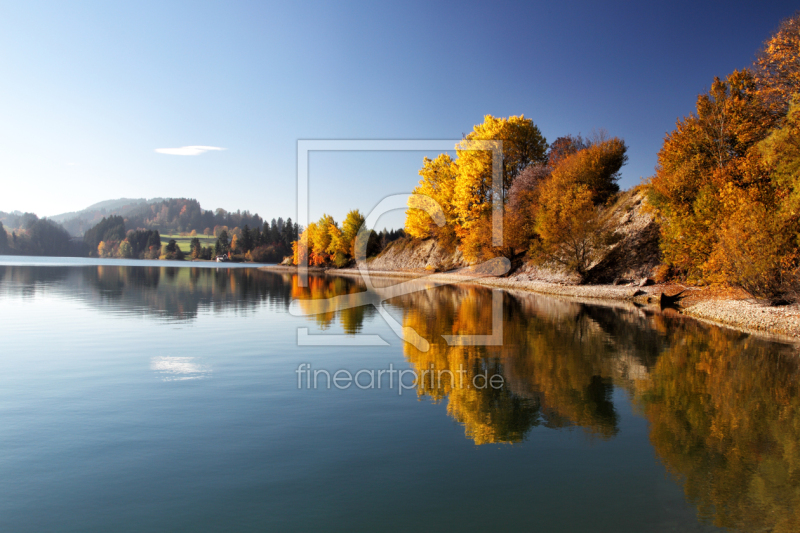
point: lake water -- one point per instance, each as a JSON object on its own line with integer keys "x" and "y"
{"x": 136, "y": 396}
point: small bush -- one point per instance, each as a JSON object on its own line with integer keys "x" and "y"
{"x": 340, "y": 260}
{"x": 662, "y": 274}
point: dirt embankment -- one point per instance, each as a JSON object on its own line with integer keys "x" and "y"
{"x": 633, "y": 254}
{"x": 408, "y": 255}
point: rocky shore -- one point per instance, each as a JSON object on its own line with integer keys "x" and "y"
{"x": 727, "y": 309}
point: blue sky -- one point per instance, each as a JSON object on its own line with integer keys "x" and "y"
{"x": 90, "y": 90}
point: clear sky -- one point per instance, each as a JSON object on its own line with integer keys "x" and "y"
{"x": 90, "y": 90}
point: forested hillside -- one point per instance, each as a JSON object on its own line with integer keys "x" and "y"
{"x": 171, "y": 215}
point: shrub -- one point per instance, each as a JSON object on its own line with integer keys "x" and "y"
{"x": 663, "y": 273}
{"x": 340, "y": 260}
{"x": 756, "y": 253}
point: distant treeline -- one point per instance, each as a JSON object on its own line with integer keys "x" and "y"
{"x": 267, "y": 243}
{"x": 39, "y": 236}
{"x": 116, "y": 236}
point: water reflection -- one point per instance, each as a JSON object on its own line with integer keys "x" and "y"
{"x": 724, "y": 411}
{"x": 179, "y": 368}
{"x": 311, "y": 300}
{"x": 163, "y": 292}
{"x": 723, "y": 408}
{"x": 557, "y": 361}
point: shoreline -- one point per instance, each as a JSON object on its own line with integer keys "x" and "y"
{"x": 781, "y": 323}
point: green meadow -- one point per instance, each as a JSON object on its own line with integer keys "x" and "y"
{"x": 184, "y": 242}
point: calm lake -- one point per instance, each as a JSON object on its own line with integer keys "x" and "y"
{"x": 136, "y": 396}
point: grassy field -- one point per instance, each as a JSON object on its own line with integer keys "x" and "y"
{"x": 184, "y": 242}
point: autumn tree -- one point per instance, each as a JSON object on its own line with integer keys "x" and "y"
{"x": 781, "y": 152}
{"x": 564, "y": 147}
{"x": 567, "y": 226}
{"x": 437, "y": 187}
{"x": 323, "y": 236}
{"x": 566, "y": 218}
{"x": 777, "y": 68}
{"x": 596, "y": 167}
{"x": 462, "y": 188}
{"x": 352, "y": 223}
{"x": 520, "y": 211}
{"x": 522, "y": 144}
{"x": 709, "y": 152}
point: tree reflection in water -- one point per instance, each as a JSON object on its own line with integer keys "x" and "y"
{"x": 723, "y": 407}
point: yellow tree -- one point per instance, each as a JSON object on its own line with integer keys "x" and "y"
{"x": 436, "y": 187}
{"x": 522, "y": 144}
{"x": 352, "y": 223}
{"x": 781, "y": 151}
{"x": 302, "y": 248}
{"x": 322, "y": 238}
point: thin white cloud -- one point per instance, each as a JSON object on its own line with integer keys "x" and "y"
{"x": 187, "y": 150}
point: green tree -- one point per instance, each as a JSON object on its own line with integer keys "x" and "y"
{"x": 221, "y": 247}
{"x": 3, "y": 239}
{"x": 125, "y": 250}
{"x": 111, "y": 229}
{"x": 246, "y": 242}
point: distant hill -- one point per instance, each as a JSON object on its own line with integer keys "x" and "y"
{"x": 104, "y": 206}
{"x": 17, "y": 220}
{"x": 167, "y": 215}
{"x": 77, "y": 222}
